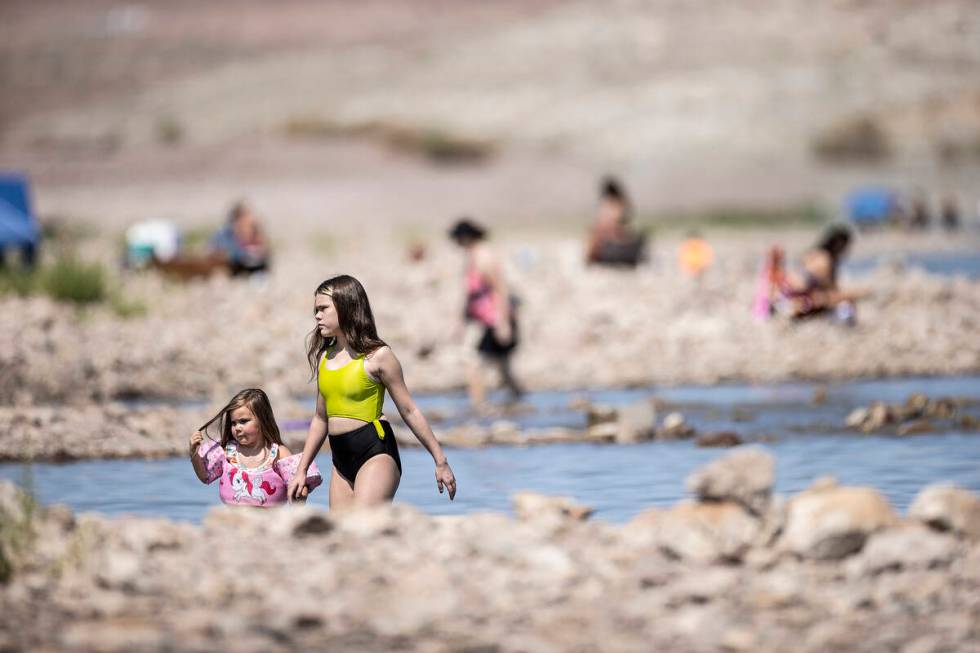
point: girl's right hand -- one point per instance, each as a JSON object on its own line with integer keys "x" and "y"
{"x": 446, "y": 479}
{"x": 196, "y": 441}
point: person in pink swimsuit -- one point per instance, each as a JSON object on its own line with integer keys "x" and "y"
{"x": 490, "y": 325}
{"x": 252, "y": 463}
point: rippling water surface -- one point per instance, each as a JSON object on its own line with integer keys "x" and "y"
{"x": 805, "y": 437}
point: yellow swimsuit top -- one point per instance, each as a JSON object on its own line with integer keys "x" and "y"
{"x": 349, "y": 391}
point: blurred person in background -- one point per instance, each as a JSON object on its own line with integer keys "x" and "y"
{"x": 950, "y": 213}
{"x": 489, "y": 316}
{"x": 613, "y": 240}
{"x": 242, "y": 242}
{"x": 816, "y": 292}
{"x": 918, "y": 213}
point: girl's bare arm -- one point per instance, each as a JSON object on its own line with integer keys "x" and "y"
{"x": 314, "y": 440}
{"x": 200, "y": 468}
{"x": 389, "y": 370}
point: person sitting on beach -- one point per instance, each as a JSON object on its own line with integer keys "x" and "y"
{"x": 252, "y": 463}
{"x": 241, "y": 242}
{"x": 489, "y": 317}
{"x": 613, "y": 240}
{"x": 353, "y": 367}
{"x": 816, "y": 292}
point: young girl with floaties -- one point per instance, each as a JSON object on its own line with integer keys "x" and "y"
{"x": 252, "y": 463}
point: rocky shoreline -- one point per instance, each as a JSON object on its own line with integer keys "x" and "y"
{"x": 735, "y": 568}
{"x": 580, "y": 327}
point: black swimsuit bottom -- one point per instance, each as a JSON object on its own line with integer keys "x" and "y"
{"x": 353, "y": 449}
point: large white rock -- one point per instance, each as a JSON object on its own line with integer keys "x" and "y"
{"x": 833, "y": 522}
{"x": 897, "y": 549}
{"x": 706, "y": 532}
{"x": 636, "y": 422}
{"x": 948, "y": 508}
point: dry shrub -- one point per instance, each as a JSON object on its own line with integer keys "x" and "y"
{"x": 857, "y": 139}
{"x": 432, "y": 143}
{"x": 953, "y": 151}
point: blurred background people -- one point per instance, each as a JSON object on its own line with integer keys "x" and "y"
{"x": 816, "y": 293}
{"x": 950, "y": 213}
{"x": 919, "y": 215}
{"x": 820, "y": 293}
{"x": 490, "y": 333}
{"x": 613, "y": 240}
{"x": 242, "y": 242}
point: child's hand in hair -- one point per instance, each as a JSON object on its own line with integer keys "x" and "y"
{"x": 196, "y": 439}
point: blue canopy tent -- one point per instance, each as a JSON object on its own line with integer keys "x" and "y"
{"x": 18, "y": 228}
{"x": 869, "y": 207}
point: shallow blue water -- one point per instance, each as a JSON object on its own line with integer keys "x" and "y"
{"x": 618, "y": 480}
{"x": 750, "y": 409}
{"x": 963, "y": 263}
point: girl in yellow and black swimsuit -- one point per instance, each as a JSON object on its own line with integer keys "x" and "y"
{"x": 354, "y": 368}
{"x": 349, "y": 392}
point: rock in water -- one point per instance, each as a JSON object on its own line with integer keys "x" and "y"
{"x": 744, "y": 476}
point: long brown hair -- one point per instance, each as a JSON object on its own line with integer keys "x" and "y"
{"x": 354, "y": 316}
{"x": 256, "y": 401}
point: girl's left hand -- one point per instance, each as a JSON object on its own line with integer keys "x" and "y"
{"x": 445, "y": 478}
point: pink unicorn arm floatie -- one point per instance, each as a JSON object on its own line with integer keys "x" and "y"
{"x": 214, "y": 459}
{"x": 286, "y": 468}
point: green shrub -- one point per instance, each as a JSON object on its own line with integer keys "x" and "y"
{"x": 76, "y": 281}
{"x": 18, "y": 282}
{"x": 72, "y": 280}
{"x": 737, "y": 217}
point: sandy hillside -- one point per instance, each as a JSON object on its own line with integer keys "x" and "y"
{"x": 125, "y": 111}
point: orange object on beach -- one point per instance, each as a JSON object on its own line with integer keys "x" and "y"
{"x": 695, "y": 256}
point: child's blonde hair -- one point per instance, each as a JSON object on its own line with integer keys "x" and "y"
{"x": 256, "y": 401}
